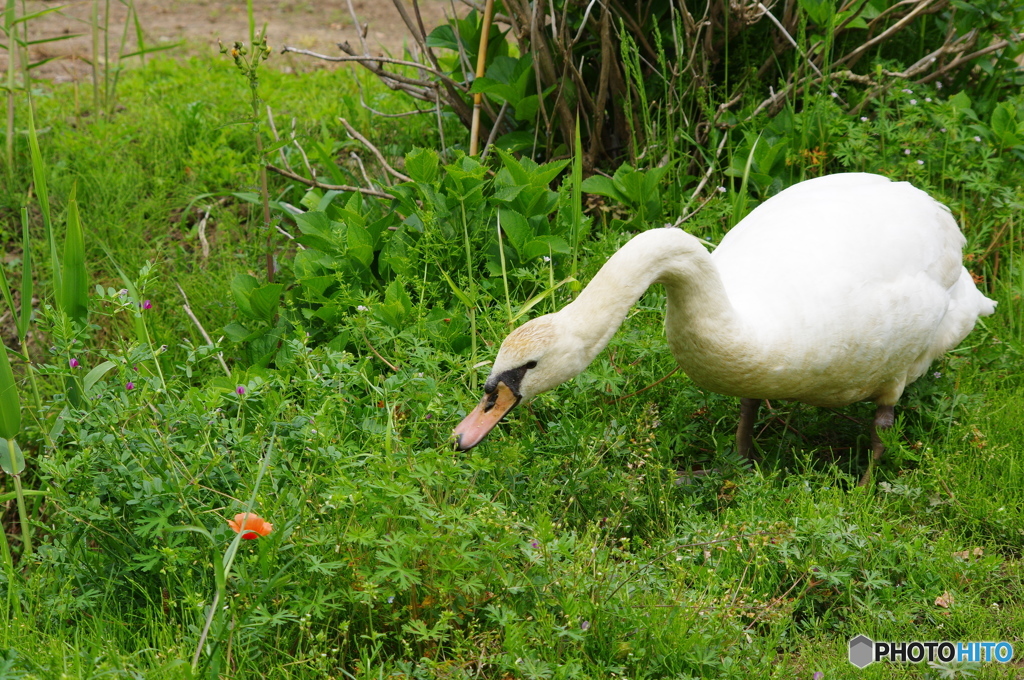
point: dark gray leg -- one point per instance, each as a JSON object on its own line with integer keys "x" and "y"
{"x": 745, "y": 431}
{"x": 884, "y": 418}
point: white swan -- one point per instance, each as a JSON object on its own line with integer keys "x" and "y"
{"x": 839, "y": 289}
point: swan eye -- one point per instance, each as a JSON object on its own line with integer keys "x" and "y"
{"x": 530, "y": 364}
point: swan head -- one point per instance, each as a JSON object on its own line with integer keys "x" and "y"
{"x": 537, "y": 356}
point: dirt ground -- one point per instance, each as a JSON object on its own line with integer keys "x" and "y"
{"x": 308, "y": 24}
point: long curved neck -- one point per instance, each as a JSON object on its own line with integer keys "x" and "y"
{"x": 699, "y": 313}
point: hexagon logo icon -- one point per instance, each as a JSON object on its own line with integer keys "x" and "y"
{"x": 862, "y": 651}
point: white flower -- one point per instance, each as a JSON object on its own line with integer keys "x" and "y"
{"x": 977, "y": 139}
{"x": 920, "y": 162}
{"x": 938, "y": 86}
{"x": 545, "y": 258}
{"x": 913, "y": 102}
{"x": 834, "y": 95}
{"x": 362, "y": 308}
{"x": 906, "y": 152}
{"x": 927, "y": 99}
{"x": 863, "y": 119}
{"x": 942, "y": 130}
{"x": 906, "y": 91}
{"x": 721, "y": 190}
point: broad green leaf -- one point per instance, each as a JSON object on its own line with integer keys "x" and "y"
{"x": 396, "y": 293}
{"x": 314, "y": 223}
{"x": 242, "y": 287}
{"x": 360, "y": 245}
{"x": 506, "y": 193}
{"x": 443, "y": 36}
{"x": 527, "y": 107}
{"x": 515, "y": 227}
{"x": 603, "y": 186}
{"x": 820, "y": 11}
{"x": 545, "y": 246}
{"x": 236, "y": 332}
{"x": 93, "y": 376}
{"x": 264, "y": 301}
{"x": 10, "y": 404}
{"x": 11, "y": 461}
{"x": 58, "y": 424}
{"x": 422, "y": 165}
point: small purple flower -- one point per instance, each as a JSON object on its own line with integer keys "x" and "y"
{"x": 240, "y": 390}
{"x": 147, "y": 305}
{"x": 129, "y": 385}
{"x": 818, "y": 675}
{"x": 936, "y": 375}
{"x": 73, "y": 363}
{"x": 535, "y": 544}
{"x": 585, "y": 625}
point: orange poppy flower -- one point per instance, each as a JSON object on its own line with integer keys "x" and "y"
{"x": 250, "y": 525}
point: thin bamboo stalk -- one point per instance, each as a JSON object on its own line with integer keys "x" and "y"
{"x": 481, "y": 67}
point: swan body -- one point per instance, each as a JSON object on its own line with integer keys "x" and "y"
{"x": 839, "y": 289}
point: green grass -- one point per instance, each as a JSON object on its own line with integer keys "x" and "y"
{"x": 564, "y": 546}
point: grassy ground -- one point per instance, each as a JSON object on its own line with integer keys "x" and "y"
{"x": 564, "y": 546}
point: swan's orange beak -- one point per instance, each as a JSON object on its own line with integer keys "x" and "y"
{"x": 491, "y": 409}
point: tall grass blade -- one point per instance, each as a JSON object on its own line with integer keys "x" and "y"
{"x": 10, "y": 404}
{"x": 74, "y": 295}
{"x": 27, "y": 283}
{"x": 39, "y": 177}
{"x": 739, "y": 201}
{"x": 6, "y": 290}
{"x": 13, "y": 51}
{"x": 575, "y": 187}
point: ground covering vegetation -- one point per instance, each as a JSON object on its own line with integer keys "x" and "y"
{"x": 191, "y": 338}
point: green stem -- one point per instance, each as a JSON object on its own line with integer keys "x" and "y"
{"x": 504, "y": 273}
{"x": 471, "y": 310}
{"x": 26, "y": 530}
{"x": 156, "y": 359}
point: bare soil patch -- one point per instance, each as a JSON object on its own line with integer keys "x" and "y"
{"x": 199, "y": 24}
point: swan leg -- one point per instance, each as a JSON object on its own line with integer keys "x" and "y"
{"x": 884, "y": 418}
{"x": 745, "y": 430}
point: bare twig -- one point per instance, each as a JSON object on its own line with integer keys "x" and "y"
{"x": 201, "y": 233}
{"x": 330, "y": 187}
{"x": 376, "y": 353}
{"x": 494, "y": 131}
{"x": 277, "y": 137}
{"x": 653, "y": 384}
{"x": 360, "y": 30}
{"x": 202, "y": 331}
{"x": 711, "y": 168}
{"x": 375, "y": 151}
{"x": 974, "y": 55}
{"x": 362, "y": 168}
{"x": 381, "y": 59}
{"x": 778, "y": 25}
{"x": 302, "y": 152}
{"x": 886, "y": 34}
